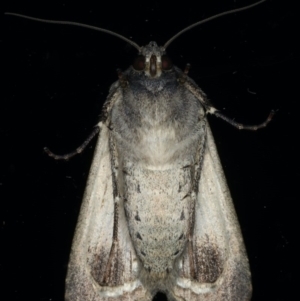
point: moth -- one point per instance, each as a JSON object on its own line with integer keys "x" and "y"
{"x": 157, "y": 215}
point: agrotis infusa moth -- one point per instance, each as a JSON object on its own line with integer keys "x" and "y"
{"x": 157, "y": 215}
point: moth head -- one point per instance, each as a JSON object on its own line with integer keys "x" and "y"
{"x": 152, "y": 60}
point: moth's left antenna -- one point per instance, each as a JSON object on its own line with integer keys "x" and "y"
{"x": 79, "y": 25}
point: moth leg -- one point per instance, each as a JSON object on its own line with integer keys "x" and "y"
{"x": 183, "y": 77}
{"x": 111, "y": 99}
{"x": 241, "y": 126}
{"x": 113, "y": 96}
{"x": 122, "y": 79}
{"x": 77, "y": 151}
{"x": 196, "y": 91}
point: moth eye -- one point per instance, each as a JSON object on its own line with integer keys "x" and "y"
{"x": 166, "y": 63}
{"x": 139, "y": 63}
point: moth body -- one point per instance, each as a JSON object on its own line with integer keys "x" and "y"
{"x": 157, "y": 131}
{"x": 157, "y": 213}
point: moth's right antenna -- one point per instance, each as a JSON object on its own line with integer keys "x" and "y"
{"x": 79, "y": 25}
{"x": 209, "y": 19}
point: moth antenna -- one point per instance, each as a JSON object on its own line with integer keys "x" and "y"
{"x": 209, "y": 19}
{"x": 79, "y": 25}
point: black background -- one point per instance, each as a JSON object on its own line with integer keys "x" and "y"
{"x": 55, "y": 80}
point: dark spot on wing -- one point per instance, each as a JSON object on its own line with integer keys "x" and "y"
{"x": 182, "y": 217}
{"x": 125, "y": 171}
{"x": 137, "y": 218}
{"x": 138, "y": 235}
{"x": 98, "y": 267}
{"x": 187, "y": 195}
{"x": 208, "y": 262}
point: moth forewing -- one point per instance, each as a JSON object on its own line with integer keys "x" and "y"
{"x": 221, "y": 269}
{"x": 92, "y": 242}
